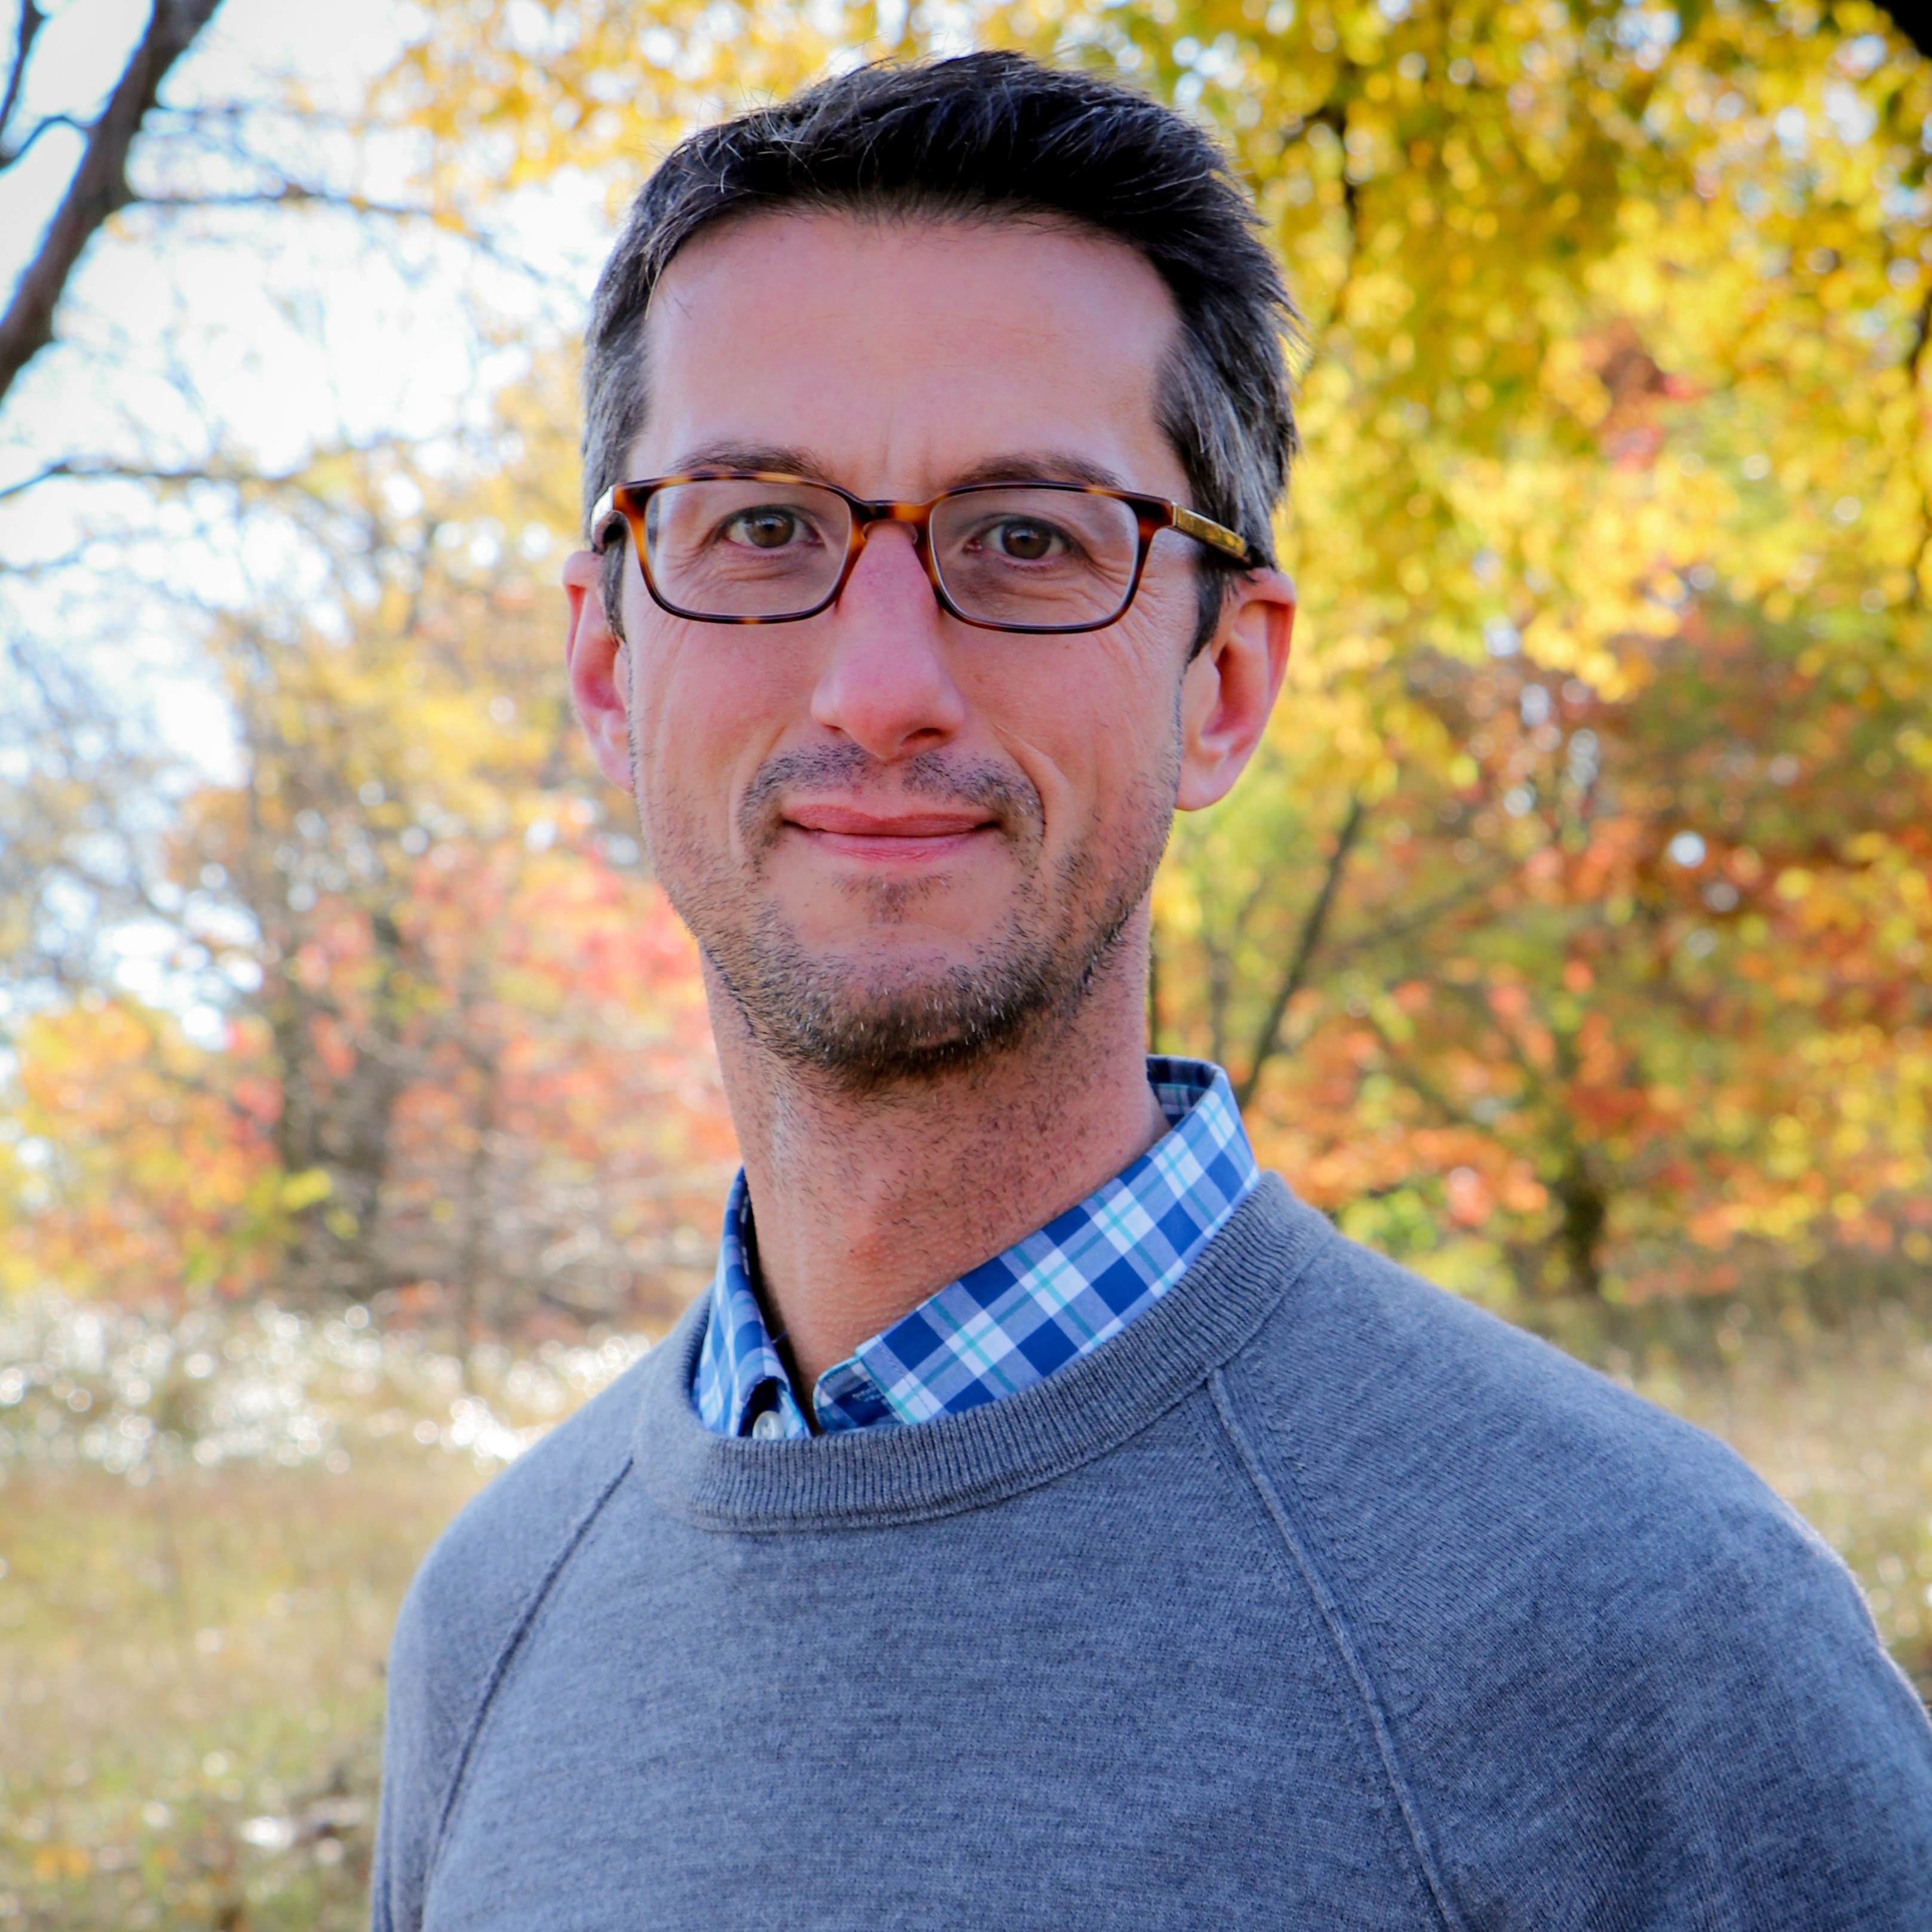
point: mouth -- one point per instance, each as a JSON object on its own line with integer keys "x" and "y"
{"x": 907, "y": 838}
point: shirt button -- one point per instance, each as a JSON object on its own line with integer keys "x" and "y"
{"x": 769, "y": 1427}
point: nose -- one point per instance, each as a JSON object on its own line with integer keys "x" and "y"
{"x": 887, "y": 683}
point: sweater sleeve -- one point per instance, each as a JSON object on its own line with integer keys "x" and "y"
{"x": 1618, "y": 1682}
{"x": 460, "y": 1625}
{"x": 1738, "y": 1749}
{"x": 420, "y": 1737}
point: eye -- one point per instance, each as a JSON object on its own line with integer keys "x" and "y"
{"x": 770, "y": 526}
{"x": 1025, "y": 539}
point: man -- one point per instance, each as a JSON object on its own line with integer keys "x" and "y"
{"x": 1045, "y": 1519}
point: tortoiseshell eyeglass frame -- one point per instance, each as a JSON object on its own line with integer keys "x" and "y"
{"x": 624, "y": 504}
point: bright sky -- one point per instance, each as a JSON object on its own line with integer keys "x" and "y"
{"x": 291, "y": 327}
{"x": 263, "y": 332}
{"x": 336, "y": 51}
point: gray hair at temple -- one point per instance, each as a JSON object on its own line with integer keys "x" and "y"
{"x": 984, "y": 136}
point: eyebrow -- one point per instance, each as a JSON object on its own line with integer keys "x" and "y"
{"x": 750, "y": 456}
{"x": 1048, "y": 466}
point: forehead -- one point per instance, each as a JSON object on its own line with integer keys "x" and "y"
{"x": 901, "y": 352}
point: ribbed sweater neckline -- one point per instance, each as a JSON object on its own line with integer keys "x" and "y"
{"x": 870, "y": 1477}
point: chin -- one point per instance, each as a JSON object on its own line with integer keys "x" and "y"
{"x": 875, "y": 1019}
{"x": 885, "y": 969}
{"x": 898, "y": 988}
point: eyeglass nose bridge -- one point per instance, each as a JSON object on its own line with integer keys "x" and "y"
{"x": 917, "y": 517}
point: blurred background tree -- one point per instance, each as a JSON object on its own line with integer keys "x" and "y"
{"x": 1570, "y": 936}
{"x": 1568, "y": 941}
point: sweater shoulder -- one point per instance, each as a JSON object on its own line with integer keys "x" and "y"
{"x": 471, "y": 1599}
{"x": 1566, "y": 1602}
{"x": 1413, "y": 1413}
{"x": 1409, "y": 1421}
{"x": 1421, "y": 1393}
{"x": 499, "y": 1546}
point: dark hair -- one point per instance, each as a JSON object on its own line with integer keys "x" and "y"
{"x": 987, "y": 134}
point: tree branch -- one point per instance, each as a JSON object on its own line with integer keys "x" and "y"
{"x": 1424, "y": 1089}
{"x": 1921, "y": 343}
{"x": 31, "y": 20}
{"x": 8, "y": 156}
{"x": 130, "y": 472}
{"x": 1425, "y": 915}
{"x": 282, "y": 196}
{"x": 1267, "y": 1039}
{"x": 100, "y": 184}
{"x": 288, "y": 194}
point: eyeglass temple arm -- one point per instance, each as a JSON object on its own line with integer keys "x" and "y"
{"x": 1218, "y": 536}
{"x": 602, "y": 511}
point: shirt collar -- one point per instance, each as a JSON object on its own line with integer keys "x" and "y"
{"x": 1049, "y": 1299}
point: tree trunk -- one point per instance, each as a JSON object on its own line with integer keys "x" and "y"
{"x": 1579, "y": 1236}
{"x": 100, "y": 184}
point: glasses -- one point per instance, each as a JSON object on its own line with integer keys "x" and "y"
{"x": 755, "y": 546}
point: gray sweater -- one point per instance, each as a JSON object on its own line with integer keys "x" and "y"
{"x": 1315, "y": 1598}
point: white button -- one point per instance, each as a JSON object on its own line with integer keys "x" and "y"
{"x": 769, "y": 1427}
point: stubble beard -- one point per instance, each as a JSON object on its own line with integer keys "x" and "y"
{"x": 866, "y": 1030}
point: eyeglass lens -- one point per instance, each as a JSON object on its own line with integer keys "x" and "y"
{"x": 726, "y": 547}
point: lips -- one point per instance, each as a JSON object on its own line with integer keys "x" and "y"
{"x": 853, "y": 822}
{"x": 856, "y": 832}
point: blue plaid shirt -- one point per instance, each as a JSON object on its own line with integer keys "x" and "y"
{"x": 1014, "y": 1319}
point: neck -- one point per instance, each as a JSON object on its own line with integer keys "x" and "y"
{"x": 866, "y": 1204}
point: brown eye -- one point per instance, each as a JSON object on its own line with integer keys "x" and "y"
{"x": 1024, "y": 542}
{"x": 766, "y": 530}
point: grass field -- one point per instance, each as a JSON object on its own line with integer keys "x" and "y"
{"x": 206, "y": 1531}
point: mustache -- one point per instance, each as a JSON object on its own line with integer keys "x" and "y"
{"x": 1005, "y": 795}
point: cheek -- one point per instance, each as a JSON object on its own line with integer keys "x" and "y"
{"x": 1150, "y": 663}
{"x": 707, "y": 710}
{"x": 1091, "y": 721}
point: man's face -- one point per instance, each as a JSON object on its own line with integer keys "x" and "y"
{"x": 901, "y": 841}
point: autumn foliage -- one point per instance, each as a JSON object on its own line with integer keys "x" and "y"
{"x": 1571, "y": 931}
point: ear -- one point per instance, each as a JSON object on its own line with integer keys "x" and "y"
{"x": 1229, "y": 689}
{"x": 599, "y": 667}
